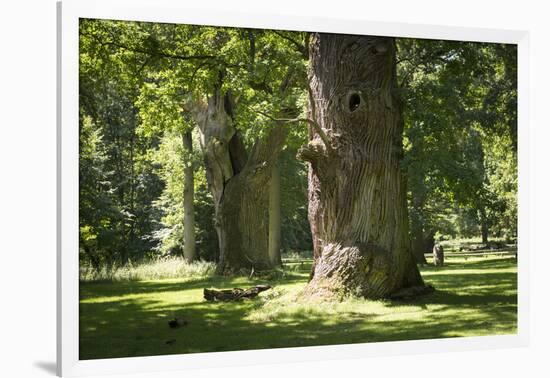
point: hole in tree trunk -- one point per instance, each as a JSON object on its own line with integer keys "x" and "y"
{"x": 379, "y": 49}
{"x": 354, "y": 102}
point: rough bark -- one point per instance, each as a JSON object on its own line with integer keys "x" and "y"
{"x": 239, "y": 183}
{"x": 244, "y": 209}
{"x": 188, "y": 199}
{"x": 357, "y": 195}
{"x": 275, "y": 216}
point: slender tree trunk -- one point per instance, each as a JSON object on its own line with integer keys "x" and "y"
{"x": 484, "y": 227}
{"x": 275, "y": 216}
{"x": 239, "y": 183}
{"x": 438, "y": 256}
{"x": 357, "y": 193}
{"x": 484, "y": 234}
{"x": 189, "y": 252}
{"x": 132, "y": 181}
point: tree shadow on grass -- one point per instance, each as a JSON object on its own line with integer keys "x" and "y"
{"x": 90, "y": 290}
{"x": 464, "y": 305}
{"x": 134, "y": 331}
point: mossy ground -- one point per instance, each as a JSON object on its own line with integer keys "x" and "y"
{"x": 474, "y": 296}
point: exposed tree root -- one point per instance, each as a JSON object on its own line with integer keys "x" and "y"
{"x": 412, "y": 292}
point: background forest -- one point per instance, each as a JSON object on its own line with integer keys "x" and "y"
{"x": 139, "y": 146}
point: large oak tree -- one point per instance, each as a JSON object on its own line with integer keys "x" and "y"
{"x": 357, "y": 194}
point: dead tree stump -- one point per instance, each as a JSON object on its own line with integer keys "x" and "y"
{"x": 438, "y": 255}
{"x": 235, "y": 294}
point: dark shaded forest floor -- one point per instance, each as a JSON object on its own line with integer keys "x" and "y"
{"x": 474, "y": 296}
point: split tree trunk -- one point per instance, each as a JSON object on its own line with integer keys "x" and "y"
{"x": 188, "y": 198}
{"x": 239, "y": 183}
{"x": 357, "y": 195}
{"x": 275, "y": 216}
{"x": 244, "y": 209}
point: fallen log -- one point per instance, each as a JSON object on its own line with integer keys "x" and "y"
{"x": 235, "y": 294}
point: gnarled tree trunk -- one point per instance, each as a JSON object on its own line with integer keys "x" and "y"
{"x": 239, "y": 182}
{"x": 357, "y": 194}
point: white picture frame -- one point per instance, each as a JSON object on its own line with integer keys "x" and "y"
{"x": 173, "y": 11}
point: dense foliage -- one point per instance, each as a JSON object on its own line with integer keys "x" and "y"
{"x": 136, "y": 79}
{"x": 461, "y": 154}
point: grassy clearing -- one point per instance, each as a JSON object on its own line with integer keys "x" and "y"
{"x": 474, "y": 297}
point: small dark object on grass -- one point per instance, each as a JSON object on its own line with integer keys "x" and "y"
{"x": 175, "y": 323}
{"x": 234, "y": 294}
{"x": 171, "y": 341}
{"x": 411, "y": 292}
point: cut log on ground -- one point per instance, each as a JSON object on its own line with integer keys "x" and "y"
{"x": 235, "y": 294}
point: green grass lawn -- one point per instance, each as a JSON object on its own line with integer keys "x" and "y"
{"x": 474, "y": 297}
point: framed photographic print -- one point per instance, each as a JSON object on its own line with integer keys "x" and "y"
{"x": 240, "y": 188}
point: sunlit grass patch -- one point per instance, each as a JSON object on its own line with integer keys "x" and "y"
{"x": 473, "y": 297}
{"x": 163, "y": 268}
